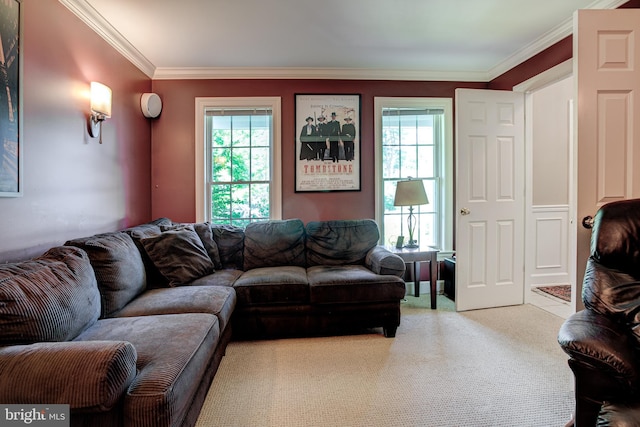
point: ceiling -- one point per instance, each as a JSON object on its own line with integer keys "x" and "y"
{"x": 401, "y": 39}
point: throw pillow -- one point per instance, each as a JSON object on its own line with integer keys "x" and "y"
{"x": 179, "y": 255}
{"x": 118, "y": 266}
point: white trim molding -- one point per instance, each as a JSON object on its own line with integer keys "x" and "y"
{"x": 83, "y": 10}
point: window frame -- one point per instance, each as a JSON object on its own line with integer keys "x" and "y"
{"x": 202, "y": 105}
{"x": 446, "y": 163}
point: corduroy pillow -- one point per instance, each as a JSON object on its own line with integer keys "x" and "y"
{"x": 118, "y": 266}
{"x": 51, "y": 298}
{"x": 179, "y": 255}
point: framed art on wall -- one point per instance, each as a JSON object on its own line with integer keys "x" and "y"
{"x": 10, "y": 102}
{"x": 327, "y": 143}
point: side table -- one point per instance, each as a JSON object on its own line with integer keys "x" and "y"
{"x": 415, "y": 256}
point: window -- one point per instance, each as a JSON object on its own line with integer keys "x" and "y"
{"x": 414, "y": 139}
{"x": 238, "y": 160}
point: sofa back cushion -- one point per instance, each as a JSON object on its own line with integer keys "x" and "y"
{"x": 51, "y": 298}
{"x": 154, "y": 278}
{"x": 340, "y": 242}
{"x": 118, "y": 266}
{"x": 274, "y": 243}
{"x": 230, "y": 242}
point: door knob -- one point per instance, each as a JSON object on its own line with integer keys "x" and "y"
{"x": 587, "y": 222}
{"x": 465, "y": 211}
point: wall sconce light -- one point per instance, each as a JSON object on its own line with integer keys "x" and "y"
{"x": 100, "y": 108}
{"x": 410, "y": 193}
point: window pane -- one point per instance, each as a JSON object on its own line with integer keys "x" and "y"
{"x": 259, "y": 201}
{"x": 221, "y": 165}
{"x": 425, "y": 161}
{"x": 240, "y": 201}
{"x": 408, "y": 162}
{"x": 220, "y": 203}
{"x": 260, "y": 161}
{"x": 241, "y": 164}
{"x": 391, "y": 163}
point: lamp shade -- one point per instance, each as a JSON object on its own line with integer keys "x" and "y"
{"x": 410, "y": 193}
{"x": 100, "y": 99}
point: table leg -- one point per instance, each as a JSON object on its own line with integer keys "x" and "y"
{"x": 416, "y": 279}
{"x": 433, "y": 276}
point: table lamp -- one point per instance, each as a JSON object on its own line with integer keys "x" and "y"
{"x": 410, "y": 193}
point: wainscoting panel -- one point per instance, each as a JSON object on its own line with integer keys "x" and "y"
{"x": 550, "y": 263}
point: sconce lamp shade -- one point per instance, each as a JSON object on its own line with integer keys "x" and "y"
{"x": 410, "y": 193}
{"x": 101, "y": 99}
{"x": 100, "y": 108}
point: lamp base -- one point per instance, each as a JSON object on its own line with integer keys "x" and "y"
{"x": 412, "y": 244}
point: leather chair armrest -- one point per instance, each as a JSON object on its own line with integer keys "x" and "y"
{"x": 599, "y": 342}
{"x": 90, "y": 376}
{"x": 380, "y": 260}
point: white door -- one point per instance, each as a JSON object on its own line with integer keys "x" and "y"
{"x": 489, "y": 198}
{"x": 607, "y": 69}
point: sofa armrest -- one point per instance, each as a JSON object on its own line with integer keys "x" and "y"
{"x": 380, "y": 260}
{"x": 90, "y": 376}
{"x": 596, "y": 341}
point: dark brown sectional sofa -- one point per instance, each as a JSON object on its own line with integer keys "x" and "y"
{"x": 129, "y": 327}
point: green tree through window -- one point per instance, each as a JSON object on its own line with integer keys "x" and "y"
{"x": 239, "y": 147}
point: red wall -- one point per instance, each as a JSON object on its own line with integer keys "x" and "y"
{"x": 73, "y": 186}
{"x": 173, "y": 155}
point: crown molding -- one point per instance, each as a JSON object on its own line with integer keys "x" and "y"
{"x": 104, "y": 29}
{"x": 547, "y": 40}
{"x": 166, "y": 73}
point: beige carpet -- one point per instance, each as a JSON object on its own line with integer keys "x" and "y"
{"x": 498, "y": 367}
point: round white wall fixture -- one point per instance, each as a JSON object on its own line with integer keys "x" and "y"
{"x": 151, "y": 105}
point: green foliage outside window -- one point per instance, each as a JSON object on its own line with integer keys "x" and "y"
{"x": 240, "y": 169}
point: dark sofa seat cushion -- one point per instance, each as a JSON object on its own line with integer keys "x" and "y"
{"x": 217, "y": 300}
{"x": 118, "y": 266}
{"x": 352, "y": 284}
{"x": 51, "y": 298}
{"x": 340, "y": 242}
{"x": 174, "y": 351}
{"x": 272, "y": 285}
{"x": 274, "y": 243}
{"x": 179, "y": 255}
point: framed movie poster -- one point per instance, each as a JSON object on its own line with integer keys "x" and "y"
{"x": 10, "y": 103}
{"x": 327, "y": 143}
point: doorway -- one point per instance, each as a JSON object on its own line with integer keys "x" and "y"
{"x": 550, "y": 205}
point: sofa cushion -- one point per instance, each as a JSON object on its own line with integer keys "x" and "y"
{"x": 206, "y": 236}
{"x": 230, "y": 241}
{"x": 340, "y": 242}
{"x": 174, "y": 353}
{"x": 118, "y": 266}
{"x": 272, "y": 285}
{"x": 352, "y": 284}
{"x": 274, "y": 243}
{"x": 142, "y": 231}
{"x": 51, "y": 298}
{"x": 217, "y": 300}
{"x": 107, "y": 369}
{"x": 179, "y": 255}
